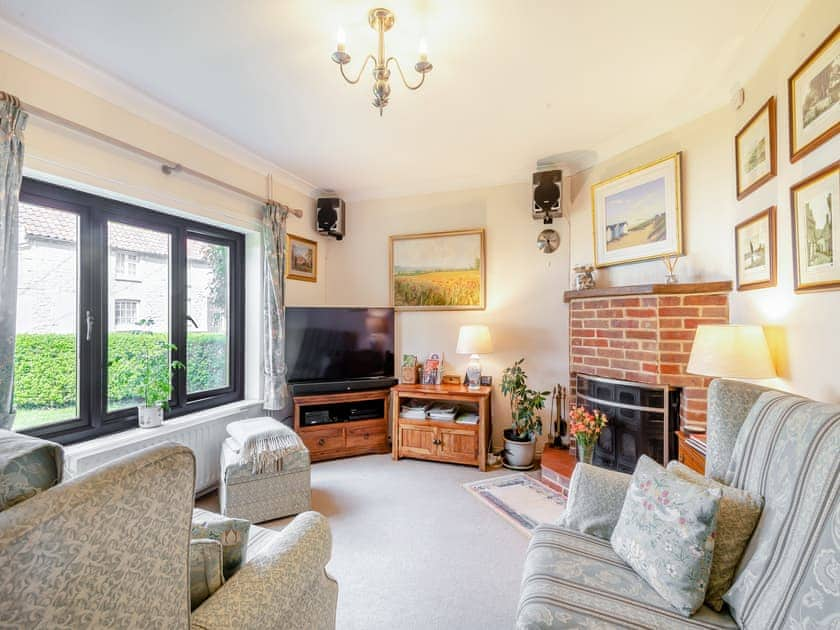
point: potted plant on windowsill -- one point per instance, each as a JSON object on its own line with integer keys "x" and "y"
{"x": 155, "y": 377}
{"x": 525, "y": 403}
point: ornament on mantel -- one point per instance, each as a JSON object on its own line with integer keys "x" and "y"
{"x": 671, "y": 265}
{"x": 584, "y": 277}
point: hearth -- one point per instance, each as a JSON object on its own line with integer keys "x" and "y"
{"x": 643, "y": 420}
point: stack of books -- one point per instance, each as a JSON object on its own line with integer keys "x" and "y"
{"x": 414, "y": 409}
{"x": 467, "y": 417}
{"x": 442, "y": 411}
{"x": 697, "y": 441}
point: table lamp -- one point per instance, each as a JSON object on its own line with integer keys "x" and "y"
{"x": 474, "y": 340}
{"x": 731, "y": 351}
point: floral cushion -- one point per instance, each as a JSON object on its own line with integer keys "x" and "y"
{"x": 737, "y": 518}
{"x": 205, "y": 570}
{"x": 666, "y": 533}
{"x": 27, "y": 466}
{"x": 232, "y": 533}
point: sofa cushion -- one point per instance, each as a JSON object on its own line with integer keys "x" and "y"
{"x": 596, "y": 496}
{"x": 573, "y": 580}
{"x": 205, "y": 570}
{"x": 232, "y": 533}
{"x": 789, "y": 577}
{"x": 28, "y": 466}
{"x": 666, "y": 532}
{"x": 737, "y": 517}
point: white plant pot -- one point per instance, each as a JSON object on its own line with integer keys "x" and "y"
{"x": 519, "y": 455}
{"x": 149, "y": 417}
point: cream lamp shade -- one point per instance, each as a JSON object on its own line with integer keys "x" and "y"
{"x": 731, "y": 351}
{"x": 474, "y": 340}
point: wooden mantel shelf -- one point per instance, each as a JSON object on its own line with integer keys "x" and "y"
{"x": 723, "y": 286}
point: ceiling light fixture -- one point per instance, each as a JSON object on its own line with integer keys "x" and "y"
{"x": 381, "y": 20}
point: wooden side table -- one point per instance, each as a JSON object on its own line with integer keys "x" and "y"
{"x": 441, "y": 441}
{"x": 689, "y": 455}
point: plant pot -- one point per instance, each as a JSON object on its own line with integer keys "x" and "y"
{"x": 149, "y": 417}
{"x": 519, "y": 454}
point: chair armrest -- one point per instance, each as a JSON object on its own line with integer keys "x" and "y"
{"x": 285, "y": 586}
{"x": 596, "y": 496}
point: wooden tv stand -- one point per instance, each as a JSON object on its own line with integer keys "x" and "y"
{"x": 441, "y": 441}
{"x": 347, "y": 437}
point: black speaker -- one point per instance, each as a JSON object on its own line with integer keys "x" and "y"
{"x": 548, "y": 196}
{"x": 329, "y": 219}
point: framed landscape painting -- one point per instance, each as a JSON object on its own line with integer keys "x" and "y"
{"x": 301, "y": 259}
{"x": 755, "y": 150}
{"x": 638, "y": 215}
{"x": 755, "y": 251}
{"x": 815, "y": 205}
{"x": 438, "y": 271}
{"x": 814, "y": 98}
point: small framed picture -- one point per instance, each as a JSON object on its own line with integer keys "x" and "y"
{"x": 755, "y": 150}
{"x": 755, "y": 251}
{"x": 815, "y": 206}
{"x": 301, "y": 259}
{"x": 814, "y": 99}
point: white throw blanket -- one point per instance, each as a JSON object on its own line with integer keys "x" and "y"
{"x": 263, "y": 442}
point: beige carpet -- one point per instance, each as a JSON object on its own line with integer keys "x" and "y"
{"x": 412, "y": 548}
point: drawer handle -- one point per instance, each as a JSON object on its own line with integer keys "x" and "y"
{"x": 367, "y": 435}
{"x": 321, "y": 442}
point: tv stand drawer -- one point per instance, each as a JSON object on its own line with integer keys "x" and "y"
{"x": 367, "y": 433}
{"x": 323, "y": 439}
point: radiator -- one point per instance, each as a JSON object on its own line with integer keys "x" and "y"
{"x": 203, "y": 432}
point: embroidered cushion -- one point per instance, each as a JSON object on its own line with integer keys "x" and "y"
{"x": 205, "y": 570}
{"x": 737, "y": 518}
{"x": 596, "y": 496}
{"x": 666, "y": 533}
{"x": 232, "y": 534}
{"x": 27, "y": 466}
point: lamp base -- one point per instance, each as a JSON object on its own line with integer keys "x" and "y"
{"x": 474, "y": 374}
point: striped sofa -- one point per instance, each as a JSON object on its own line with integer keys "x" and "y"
{"x": 783, "y": 447}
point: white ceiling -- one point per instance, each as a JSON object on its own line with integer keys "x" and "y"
{"x": 515, "y": 81}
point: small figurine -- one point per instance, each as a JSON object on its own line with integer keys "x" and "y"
{"x": 584, "y": 278}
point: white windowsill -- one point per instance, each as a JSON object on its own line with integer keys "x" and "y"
{"x": 132, "y": 436}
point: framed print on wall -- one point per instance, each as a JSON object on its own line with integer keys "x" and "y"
{"x": 438, "y": 271}
{"x": 814, "y": 98}
{"x": 301, "y": 259}
{"x": 815, "y": 206}
{"x": 638, "y": 215}
{"x": 755, "y": 150}
{"x": 755, "y": 251}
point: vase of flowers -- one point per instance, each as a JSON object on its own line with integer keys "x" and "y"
{"x": 585, "y": 426}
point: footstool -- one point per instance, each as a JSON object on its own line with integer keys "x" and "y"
{"x": 264, "y": 496}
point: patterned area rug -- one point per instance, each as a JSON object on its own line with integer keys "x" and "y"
{"x": 520, "y": 499}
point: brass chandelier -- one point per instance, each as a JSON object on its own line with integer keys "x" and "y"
{"x": 381, "y": 20}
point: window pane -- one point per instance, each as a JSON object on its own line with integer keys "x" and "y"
{"x": 138, "y": 315}
{"x": 46, "y": 343}
{"x": 208, "y": 306}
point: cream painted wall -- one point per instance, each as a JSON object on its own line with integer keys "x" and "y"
{"x": 525, "y": 309}
{"x": 801, "y": 328}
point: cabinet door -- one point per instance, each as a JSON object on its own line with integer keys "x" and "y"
{"x": 460, "y": 445}
{"x": 417, "y": 441}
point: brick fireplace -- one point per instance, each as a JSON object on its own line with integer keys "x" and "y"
{"x": 644, "y": 334}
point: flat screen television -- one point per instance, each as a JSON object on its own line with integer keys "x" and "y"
{"x": 332, "y": 344}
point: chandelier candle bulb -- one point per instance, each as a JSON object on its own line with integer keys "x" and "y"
{"x": 341, "y": 39}
{"x": 423, "y": 49}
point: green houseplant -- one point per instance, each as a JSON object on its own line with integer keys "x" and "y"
{"x": 525, "y": 404}
{"x": 155, "y": 376}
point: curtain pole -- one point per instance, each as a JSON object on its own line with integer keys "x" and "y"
{"x": 167, "y": 166}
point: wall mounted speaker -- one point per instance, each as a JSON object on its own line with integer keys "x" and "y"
{"x": 548, "y": 196}
{"x": 329, "y": 217}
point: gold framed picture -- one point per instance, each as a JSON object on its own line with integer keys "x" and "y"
{"x": 815, "y": 206}
{"x": 755, "y": 150}
{"x": 301, "y": 259}
{"x": 438, "y": 271}
{"x": 755, "y": 251}
{"x": 637, "y": 215}
{"x": 814, "y": 98}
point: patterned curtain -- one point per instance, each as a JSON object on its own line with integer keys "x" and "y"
{"x": 275, "y": 394}
{"x": 12, "y": 123}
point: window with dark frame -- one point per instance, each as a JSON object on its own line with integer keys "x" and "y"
{"x": 90, "y": 335}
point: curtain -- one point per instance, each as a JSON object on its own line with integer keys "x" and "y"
{"x": 275, "y": 392}
{"x": 12, "y": 123}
